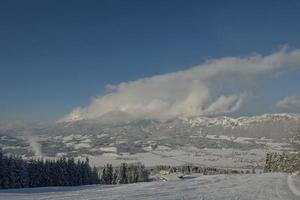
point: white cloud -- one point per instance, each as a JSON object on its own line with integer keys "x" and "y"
{"x": 195, "y": 91}
{"x": 289, "y": 102}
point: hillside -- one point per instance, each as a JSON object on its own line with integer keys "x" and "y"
{"x": 217, "y": 187}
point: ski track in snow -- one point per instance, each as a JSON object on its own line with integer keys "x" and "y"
{"x": 276, "y": 186}
{"x": 294, "y": 185}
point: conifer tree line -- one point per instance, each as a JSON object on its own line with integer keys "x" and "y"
{"x": 189, "y": 168}
{"x": 16, "y": 172}
{"x": 282, "y": 162}
{"x": 126, "y": 173}
{"x": 287, "y": 161}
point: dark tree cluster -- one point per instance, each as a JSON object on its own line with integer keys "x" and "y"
{"x": 16, "y": 172}
{"x": 190, "y": 168}
{"x": 285, "y": 162}
{"x": 126, "y": 173}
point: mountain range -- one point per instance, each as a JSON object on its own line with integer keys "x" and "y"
{"x": 115, "y": 138}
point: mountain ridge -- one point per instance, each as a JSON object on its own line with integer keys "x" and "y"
{"x": 200, "y": 120}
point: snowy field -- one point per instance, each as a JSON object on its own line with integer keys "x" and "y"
{"x": 227, "y": 158}
{"x": 274, "y": 186}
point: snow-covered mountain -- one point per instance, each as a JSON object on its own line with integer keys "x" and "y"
{"x": 127, "y": 139}
{"x": 197, "y": 120}
{"x": 241, "y": 121}
{"x": 268, "y": 125}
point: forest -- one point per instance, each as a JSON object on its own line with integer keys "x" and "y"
{"x": 16, "y": 172}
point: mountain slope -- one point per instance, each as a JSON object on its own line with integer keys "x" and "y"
{"x": 217, "y": 187}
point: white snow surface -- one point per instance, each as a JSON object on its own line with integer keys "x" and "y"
{"x": 275, "y": 186}
{"x": 227, "y": 158}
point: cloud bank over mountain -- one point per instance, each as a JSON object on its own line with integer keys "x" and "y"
{"x": 289, "y": 102}
{"x": 200, "y": 90}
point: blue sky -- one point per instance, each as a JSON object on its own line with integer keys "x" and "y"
{"x": 56, "y": 55}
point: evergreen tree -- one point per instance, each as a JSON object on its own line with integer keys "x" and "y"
{"x": 22, "y": 173}
{"x": 95, "y": 176}
{"x": 123, "y": 174}
{"x": 103, "y": 175}
{"x": 12, "y": 172}
{"x": 115, "y": 176}
{"x": 5, "y": 171}
{"x": 16, "y": 172}
{"x": 107, "y": 174}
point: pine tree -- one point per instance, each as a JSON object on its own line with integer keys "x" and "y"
{"x": 5, "y": 179}
{"x": 143, "y": 174}
{"x": 109, "y": 173}
{"x": 115, "y": 176}
{"x": 103, "y": 175}
{"x": 17, "y": 173}
{"x": 70, "y": 171}
{"x": 12, "y": 172}
{"x": 78, "y": 173}
{"x": 95, "y": 176}
{"x": 123, "y": 174}
{"x": 22, "y": 173}
{"x": 86, "y": 172}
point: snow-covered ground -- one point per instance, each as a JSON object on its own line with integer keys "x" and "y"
{"x": 275, "y": 186}
{"x": 227, "y": 158}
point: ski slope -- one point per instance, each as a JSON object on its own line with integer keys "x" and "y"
{"x": 275, "y": 186}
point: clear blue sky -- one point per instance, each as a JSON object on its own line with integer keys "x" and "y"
{"x": 55, "y": 55}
